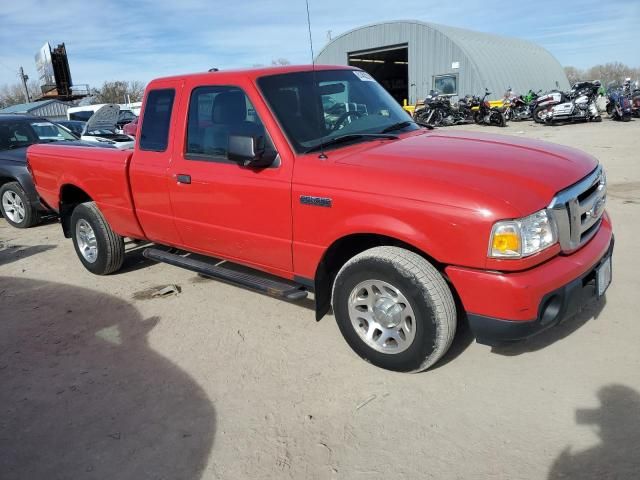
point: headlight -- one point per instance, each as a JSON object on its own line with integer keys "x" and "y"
{"x": 522, "y": 237}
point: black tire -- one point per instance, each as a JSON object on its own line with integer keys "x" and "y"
{"x": 537, "y": 112}
{"x": 498, "y": 119}
{"x": 31, "y": 214}
{"x": 626, "y": 118}
{"x": 477, "y": 118}
{"x": 110, "y": 245}
{"x": 426, "y": 292}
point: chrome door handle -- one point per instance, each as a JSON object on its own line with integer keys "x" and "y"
{"x": 183, "y": 178}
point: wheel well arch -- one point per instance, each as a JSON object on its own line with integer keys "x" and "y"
{"x": 7, "y": 179}
{"x": 344, "y": 248}
{"x": 70, "y": 197}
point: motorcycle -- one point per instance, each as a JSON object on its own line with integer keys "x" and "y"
{"x": 519, "y": 106}
{"x": 485, "y": 114}
{"x": 635, "y": 99}
{"x": 439, "y": 111}
{"x": 618, "y": 102}
{"x": 582, "y": 105}
{"x": 545, "y": 102}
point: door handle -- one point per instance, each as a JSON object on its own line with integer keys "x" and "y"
{"x": 182, "y": 178}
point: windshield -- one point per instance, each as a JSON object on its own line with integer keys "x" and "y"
{"x": 342, "y": 102}
{"x": 20, "y": 133}
{"x": 50, "y": 131}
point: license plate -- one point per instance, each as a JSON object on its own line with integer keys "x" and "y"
{"x": 603, "y": 277}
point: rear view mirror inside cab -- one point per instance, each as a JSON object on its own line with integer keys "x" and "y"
{"x": 331, "y": 88}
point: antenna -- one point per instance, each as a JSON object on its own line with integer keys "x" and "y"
{"x": 315, "y": 83}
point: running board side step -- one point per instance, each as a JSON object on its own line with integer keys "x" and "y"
{"x": 275, "y": 288}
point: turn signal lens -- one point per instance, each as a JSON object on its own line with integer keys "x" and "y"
{"x": 522, "y": 237}
{"x": 505, "y": 241}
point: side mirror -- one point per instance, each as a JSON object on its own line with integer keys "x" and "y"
{"x": 250, "y": 151}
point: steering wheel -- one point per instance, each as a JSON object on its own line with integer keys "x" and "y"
{"x": 341, "y": 119}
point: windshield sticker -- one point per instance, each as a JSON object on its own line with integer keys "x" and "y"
{"x": 364, "y": 76}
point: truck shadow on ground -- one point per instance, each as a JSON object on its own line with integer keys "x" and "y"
{"x": 554, "y": 334}
{"x": 617, "y": 423}
{"x": 84, "y": 396}
{"x": 10, "y": 253}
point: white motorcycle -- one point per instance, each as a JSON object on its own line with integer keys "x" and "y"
{"x": 581, "y": 108}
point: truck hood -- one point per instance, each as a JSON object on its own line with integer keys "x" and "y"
{"x": 523, "y": 173}
{"x": 104, "y": 118}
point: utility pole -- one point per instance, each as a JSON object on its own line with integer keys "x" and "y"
{"x": 23, "y": 79}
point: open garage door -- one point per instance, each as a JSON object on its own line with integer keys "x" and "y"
{"x": 388, "y": 65}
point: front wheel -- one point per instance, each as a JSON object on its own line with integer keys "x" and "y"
{"x": 99, "y": 248}
{"x": 394, "y": 309}
{"x": 16, "y": 208}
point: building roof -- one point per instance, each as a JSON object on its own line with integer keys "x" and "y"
{"x": 495, "y": 59}
{"x": 29, "y": 107}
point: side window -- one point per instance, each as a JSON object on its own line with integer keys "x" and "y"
{"x": 154, "y": 135}
{"x": 215, "y": 113}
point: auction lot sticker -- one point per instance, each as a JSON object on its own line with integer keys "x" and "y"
{"x": 364, "y": 76}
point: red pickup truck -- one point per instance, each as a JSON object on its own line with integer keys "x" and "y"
{"x": 289, "y": 180}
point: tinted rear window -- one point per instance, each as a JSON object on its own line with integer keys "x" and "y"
{"x": 154, "y": 135}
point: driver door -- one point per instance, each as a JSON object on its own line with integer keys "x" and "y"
{"x": 220, "y": 208}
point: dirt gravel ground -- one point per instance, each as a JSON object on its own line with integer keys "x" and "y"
{"x": 100, "y": 380}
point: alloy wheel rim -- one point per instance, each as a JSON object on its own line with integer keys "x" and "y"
{"x": 86, "y": 241}
{"x": 382, "y": 316}
{"x": 13, "y": 206}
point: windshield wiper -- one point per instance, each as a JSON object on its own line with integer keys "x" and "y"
{"x": 397, "y": 126}
{"x": 347, "y": 138}
{"x": 401, "y": 125}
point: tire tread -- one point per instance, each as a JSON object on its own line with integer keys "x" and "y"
{"x": 429, "y": 280}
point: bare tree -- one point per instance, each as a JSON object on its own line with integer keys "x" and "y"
{"x": 118, "y": 92}
{"x": 614, "y": 72}
{"x": 13, "y": 94}
{"x": 574, "y": 74}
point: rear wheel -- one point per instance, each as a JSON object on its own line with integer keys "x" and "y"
{"x": 539, "y": 113}
{"x": 99, "y": 248}
{"x": 394, "y": 309}
{"x": 498, "y": 119}
{"x": 16, "y": 208}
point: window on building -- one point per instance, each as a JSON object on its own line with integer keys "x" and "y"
{"x": 446, "y": 84}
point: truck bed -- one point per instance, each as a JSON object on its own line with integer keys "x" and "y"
{"x": 101, "y": 171}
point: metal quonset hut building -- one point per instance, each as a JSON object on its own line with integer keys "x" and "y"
{"x": 53, "y": 110}
{"x": 409, "y": 58}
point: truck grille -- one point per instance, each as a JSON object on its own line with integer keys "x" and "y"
{"x": 578, "y": 210}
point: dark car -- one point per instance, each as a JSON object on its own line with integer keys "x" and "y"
{"x": 75, "y": 126}
{"x": 19, "y": 202}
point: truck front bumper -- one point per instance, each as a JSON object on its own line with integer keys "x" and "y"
{"x": 505, "y": 307}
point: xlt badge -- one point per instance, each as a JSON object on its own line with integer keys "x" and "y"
{"x": 315, "y": 201}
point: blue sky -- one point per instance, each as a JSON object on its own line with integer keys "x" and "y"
{"x": 141, "y": 39}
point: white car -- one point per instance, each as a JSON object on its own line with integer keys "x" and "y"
{"x": 102, "y": 128}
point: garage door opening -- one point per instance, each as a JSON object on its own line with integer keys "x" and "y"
{"x": 388, "y": 65}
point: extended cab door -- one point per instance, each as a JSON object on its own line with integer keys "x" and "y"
{"x": 148, "y": 171}
{"x": 221, "y": 208}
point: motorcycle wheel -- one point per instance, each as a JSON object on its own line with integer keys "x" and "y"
{"x": 538, "y": 112}
{"x": 437, "y": 118}
{"x": 498, "y": 119}
{"x": 477, "y": 118}
{"x": 422, "y": 116}
{"x": 626, "y": 118}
